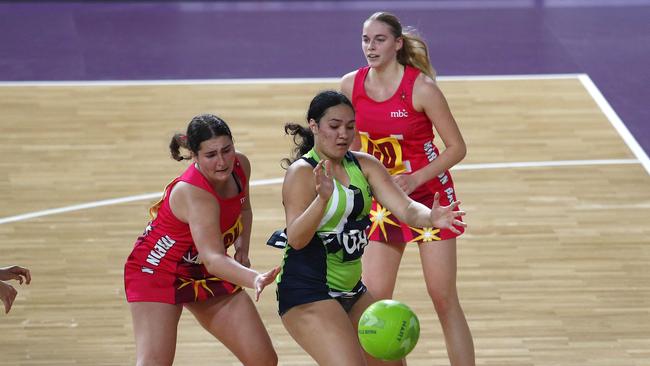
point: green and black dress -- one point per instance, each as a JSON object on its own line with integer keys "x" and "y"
{"x": 329, "y": 266}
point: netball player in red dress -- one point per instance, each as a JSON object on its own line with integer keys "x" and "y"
{"x": 181, "y": 258}
{"x": 397, "y": 104}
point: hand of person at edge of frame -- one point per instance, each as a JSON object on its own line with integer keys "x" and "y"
{"x": 15, "y": 273}
{"x": 7, "y": 295}
{"x": 324, "y": 181}
{"x": 406, "y": 182}
{"x": 444, "y": 217}
{"x": 264, "y": 279}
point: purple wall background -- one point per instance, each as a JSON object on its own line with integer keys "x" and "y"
{"x": 608, "y": 40}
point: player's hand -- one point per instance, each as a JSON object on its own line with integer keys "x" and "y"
{"x": 444, "y": 217}
{"x": 241, "y": 253}
{"x": 15, "y": 273}
{"x": 323, "y": 178}
{"x": 242, "y": 257}
{"x": 406, "y": 183}
{"x": 7, "y": 295}
{"x": 264, "y": 279}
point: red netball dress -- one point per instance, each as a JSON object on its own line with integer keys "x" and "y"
{"x": 164, "y": 265}
{"x": 402, "y": 139}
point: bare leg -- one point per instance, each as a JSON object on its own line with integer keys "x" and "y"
{"x": 155, "y": 325}
{"x": 234, "y": 320}
{"x": 439, "y": 267}
{"x": 380, "y": 264}
{"x": 323, "y": 329}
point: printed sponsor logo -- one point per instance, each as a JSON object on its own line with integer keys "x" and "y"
{"x": 400, "y": 113}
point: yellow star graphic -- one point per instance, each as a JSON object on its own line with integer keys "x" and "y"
{"x": 379, "y": 218}
{"x": 203, "y": 283}
{"x": 426, "y": 234}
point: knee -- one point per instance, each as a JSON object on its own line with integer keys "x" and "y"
{"x": 444, "y": 299}
{"x": 379, "y": 290}
{"x": 382, "y": 295}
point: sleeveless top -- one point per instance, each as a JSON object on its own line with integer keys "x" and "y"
{"x": 394, "y": 132}
{"x": 167, "y": 244}
{"x": 333, "y": 256}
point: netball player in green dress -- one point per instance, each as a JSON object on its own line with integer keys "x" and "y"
{"x": 327, "y": 195}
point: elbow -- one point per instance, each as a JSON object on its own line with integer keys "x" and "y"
{"x": 296, "y": 241}
{"x": 463, "y": 151}
{"x": 214, "y": 264}
{"x": 460, "y": 152}
{"x": 297, "y": 245}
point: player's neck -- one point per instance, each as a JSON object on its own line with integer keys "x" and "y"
{"x": 324, "y": 156}
{"x": 387, "y": 74}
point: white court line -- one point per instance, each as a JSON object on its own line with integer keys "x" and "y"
{"x": 614, "y": 119}
{"x": 543, "y": 164}
{"x": 264, "y": 81}
{"x": 264, "y": 182}
{"x": 586, "y": 81}
{"x": 113, "y": 201}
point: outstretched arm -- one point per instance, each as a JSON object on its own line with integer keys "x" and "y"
{"x": 411, "y": 212}
{"x": 7, "y": 292}
{"x": 17, "y": 273}
{"x": 201, "y": 211}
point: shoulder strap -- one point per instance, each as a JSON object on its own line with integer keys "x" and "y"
{"x": 240, "y": 176}
{"x": 310, "y": 160}
{"x": 350, "y": 156}
{"x": 357, "y": 88}
{"x": 408, "y": 83}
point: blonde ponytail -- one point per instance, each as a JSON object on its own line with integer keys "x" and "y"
{"x": 415, "y": 53}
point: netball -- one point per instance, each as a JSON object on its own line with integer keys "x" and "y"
{"x": 388, "y": 330}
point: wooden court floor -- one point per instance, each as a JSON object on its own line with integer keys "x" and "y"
{"x": 553, "y": 270}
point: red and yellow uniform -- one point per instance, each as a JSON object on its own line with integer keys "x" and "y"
{"x": 402, "y": 139}
{"x": 164, "y": 265}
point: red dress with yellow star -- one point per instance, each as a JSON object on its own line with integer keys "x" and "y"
{"x": 402, "y": 139}
{"x": 164, "y": 265}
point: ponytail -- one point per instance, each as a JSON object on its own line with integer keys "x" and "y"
{"x": 303, "y": 138}
{"x": 178, "y": 141}
{"x": 414, "y": 52}
{"x": 201, "y": 128}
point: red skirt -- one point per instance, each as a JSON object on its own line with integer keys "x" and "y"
{"x": 387, "y": 228}
{"x": 143, "y": 284}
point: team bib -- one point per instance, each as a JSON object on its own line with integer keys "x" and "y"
{"x": 387, "y": 150}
